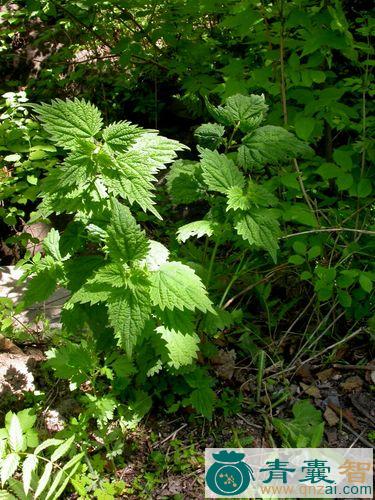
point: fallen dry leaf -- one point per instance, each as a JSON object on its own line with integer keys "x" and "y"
{"x": 325, "y": 374}
{"x": 311, "y": 390}
{"x": 352, "y": 384}
{"x": 331, "y": 417}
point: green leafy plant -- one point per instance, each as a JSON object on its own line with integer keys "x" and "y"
{"x": 29, "y": 468}
{"x": 242, "y": 207}
{"x": 305, "y": 430}
{"x": 123, "y": 285}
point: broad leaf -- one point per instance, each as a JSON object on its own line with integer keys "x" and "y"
{"x": 181, "y": 348}
{"x": 245, "y": 112}
{"x": 219, "y": 172}
{"x": 175, "y": 285}
{"x": 261, "y": 230}
{"x": 8, "y": 466}
{"x": 128, "y": 312}
{"x": 119, "y": 136}
{"x": 69, "y": 120}
{"x": 198, "y": 228}
{"x": 126, "y": 240}
{"x": 202, "y": 400}
{"x": 270, "y": 145}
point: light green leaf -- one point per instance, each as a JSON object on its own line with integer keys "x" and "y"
{"x": 175, "y": 285}
{"x": 28, "y": 467}
{"x": 46, "y": 444}
{"x": 158, "y": 150}
{"x": 62, "y": 449}
{"x": 43, "y": 481}
{"x": 16, "y": 440}
{"x": 8, "y": 467}
{"x": 119, "y": 136}
{"x": 69, "y": 120}
{"x": 219, "y": 172}
{"x": 51, "y": 244}
{"x": 237, "y": 199}
{"x": 157, "y": 255}
{"x": 198, "y": 228}
{"x": 182, "y": 348}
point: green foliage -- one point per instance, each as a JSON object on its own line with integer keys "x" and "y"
{"x": 24, "y": 155}
{"x": 42, "y": 475}
{"x": 305, "y": 430}
{"x": 246, "y": 201}
{"x": 130, "y": 283}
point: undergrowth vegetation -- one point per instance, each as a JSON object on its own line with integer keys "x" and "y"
{"x": 204, "y": 174}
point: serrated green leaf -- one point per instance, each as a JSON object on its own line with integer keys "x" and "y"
{"x": 260, "y": 196}
{"x": 270, "y": 145}
{"x": 130, "y": 177}
{"x": 89, "y": 293}
{"x": 243, "y": 111}
{"x": 128, "y": 312}
{"x": 198, "y": 229}
{"x": 69, "y": 120}
{"x": 182, "y": 348}
{"x": 112, "y": 274}
{"x": 237, "y": 199}
{"x": 51, "y": 244}
{"x": 8, "y": 467}
{"x": 62, "y": 449}
{"x": 43, "y": 481}
{"x": 261, "y": 230}
{"x": 28, "y": 467}
{"x": 158, "y": 151}
{"x": 126, "y": 240}
{"x": 202, "y": 400}
{"x": 182, "y": 182}
{"x": 119, "y": 136}
{"x": 175, "y": 285}
{"x": 219, "y": 172}
{"x": 209, "y": 135}
{"x": 15, "y": 439}
{"x": 40, "y": 287}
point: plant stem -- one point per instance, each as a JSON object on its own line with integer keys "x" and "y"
{"x": 261, "y": 365}
{"x": 211, "y": 265}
